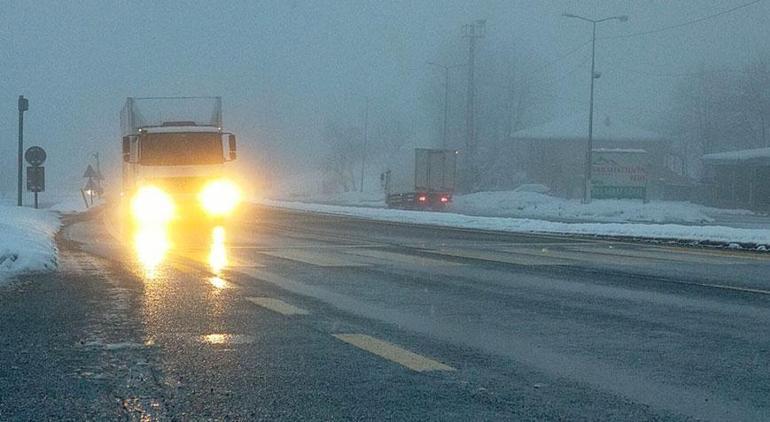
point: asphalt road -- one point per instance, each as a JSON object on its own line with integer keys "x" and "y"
{"x": 294, "y": 316}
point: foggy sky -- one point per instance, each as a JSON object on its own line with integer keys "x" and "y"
{"x": 283, "y": 67}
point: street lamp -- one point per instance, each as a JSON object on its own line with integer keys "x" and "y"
{"x": 366, "y": 141}
{"x": 594, "y": 75}
{"x": 446, "y": 96}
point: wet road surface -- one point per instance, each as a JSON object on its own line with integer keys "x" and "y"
{"x": 286, "y": 315}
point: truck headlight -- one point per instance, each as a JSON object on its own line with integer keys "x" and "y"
{"x": 152, "y": 205}
{"x": 219, "y": 197}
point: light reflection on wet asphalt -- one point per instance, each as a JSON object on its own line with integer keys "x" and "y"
{"x": 152, "y": 245}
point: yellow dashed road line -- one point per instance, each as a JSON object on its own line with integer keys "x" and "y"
{"x": 276, "y": 305}
{"x": 393, "y": 353}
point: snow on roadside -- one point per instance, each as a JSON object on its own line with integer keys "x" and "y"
{"x": 73, "y": 205}
{"x": 536, "y": 205}
{"x": 27, "y": 240}
{"x": 532, "y": 201}
{"x": 676, "y": 232}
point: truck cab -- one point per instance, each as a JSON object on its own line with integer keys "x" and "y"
{"x": 175, "y": 162}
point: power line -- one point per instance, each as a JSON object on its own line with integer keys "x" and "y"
{"x": 679, "y": 25}
{"x": 678, "y": 74}
{"x": 562, "y": 57}
{"x": 563, "y": 77}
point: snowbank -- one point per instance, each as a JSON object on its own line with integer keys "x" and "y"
{"x": 527, "y": 204}
{"x": 26, "y": 240}
{"x": 674, "y": 232}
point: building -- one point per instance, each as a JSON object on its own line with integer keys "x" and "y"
{"x": 553, "y": 154}
{"x": 739, "y": 179}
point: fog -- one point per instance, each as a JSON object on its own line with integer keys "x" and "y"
{"x": 288, "y": 70}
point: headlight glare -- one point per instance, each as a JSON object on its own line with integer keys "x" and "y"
{"x": 219, "y": 197}
{"x": 152, "y": 205}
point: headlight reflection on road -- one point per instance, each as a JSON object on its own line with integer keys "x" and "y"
{"x": 218, "y": 257}
{"x": 218, "y": 282}
{"x": 218, "y": 254}
{"x": 151, "y": 244}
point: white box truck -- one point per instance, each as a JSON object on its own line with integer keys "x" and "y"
{"x": 422, "y": 180}
{"x": 174, "y": 158}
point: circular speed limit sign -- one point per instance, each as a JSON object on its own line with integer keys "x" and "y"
{"x": 35, "y": 156}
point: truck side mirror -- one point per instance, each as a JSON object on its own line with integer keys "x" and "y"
{"x": 232, "y": 147}
{"x": 126, "y": 148}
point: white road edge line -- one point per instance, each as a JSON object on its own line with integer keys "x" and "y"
{"x": 277, "y": 305}
{"x": 393, "y": 353}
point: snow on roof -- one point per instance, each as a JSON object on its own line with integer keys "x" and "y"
{"x": 759, "y": 155}
{"x": 576, "y": 127}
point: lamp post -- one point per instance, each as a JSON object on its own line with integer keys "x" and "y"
{"x": 366, "y": 141}
{"x": 472, "y": 32}
{"x": 446, "y": 97}
{"x": 589, "y": 146}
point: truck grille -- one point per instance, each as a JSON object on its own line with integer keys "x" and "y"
{"x": 177, "y": 185}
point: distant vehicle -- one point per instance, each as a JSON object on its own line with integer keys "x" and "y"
{"x": 427, "y": 182}
{"x": 174, "y": 157}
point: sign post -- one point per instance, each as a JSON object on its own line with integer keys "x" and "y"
{"x": 23, "y": 106}
{"x": 90, "y": 185}
{"x": 35, "y": 156}
{"x": 619, "y": 174}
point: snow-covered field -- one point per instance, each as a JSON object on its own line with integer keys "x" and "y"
{"x": 27, "y": 240}
{"x": 758, "y": 238}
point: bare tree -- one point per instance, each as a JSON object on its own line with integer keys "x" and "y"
{"x": 343, "y": 155}
{"x": 719, "y": 110}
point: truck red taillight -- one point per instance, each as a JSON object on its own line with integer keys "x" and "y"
{"x": 422, "y": 198}
{"x": 444, "y": 199}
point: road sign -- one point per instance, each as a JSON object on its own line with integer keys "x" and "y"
{"x": 90, "y": 186}
{"x": 90, "y": 173}
{"x": 619, "y": 174}
{"x": 35, "y": 156}
{"x": 35, "y": 179}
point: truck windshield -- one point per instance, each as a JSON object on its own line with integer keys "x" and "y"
{"x": 177, "y": 149}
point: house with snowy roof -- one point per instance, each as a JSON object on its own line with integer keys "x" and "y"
{"x": 739, "y": 178}
{"x": 553, "y": 154}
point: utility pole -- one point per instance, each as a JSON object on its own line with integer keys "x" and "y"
{"x": 594, "y": 75}
{"x": 23, "y": 106}
{"x": 366, "y": 141}
{"x": 446, "y": 106}
{"x": 444, "y": 139}
{"x": 472, "y": 32}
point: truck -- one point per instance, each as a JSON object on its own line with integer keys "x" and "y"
{"x": 422, "y": 180}
{"x": 175, "y": 154}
